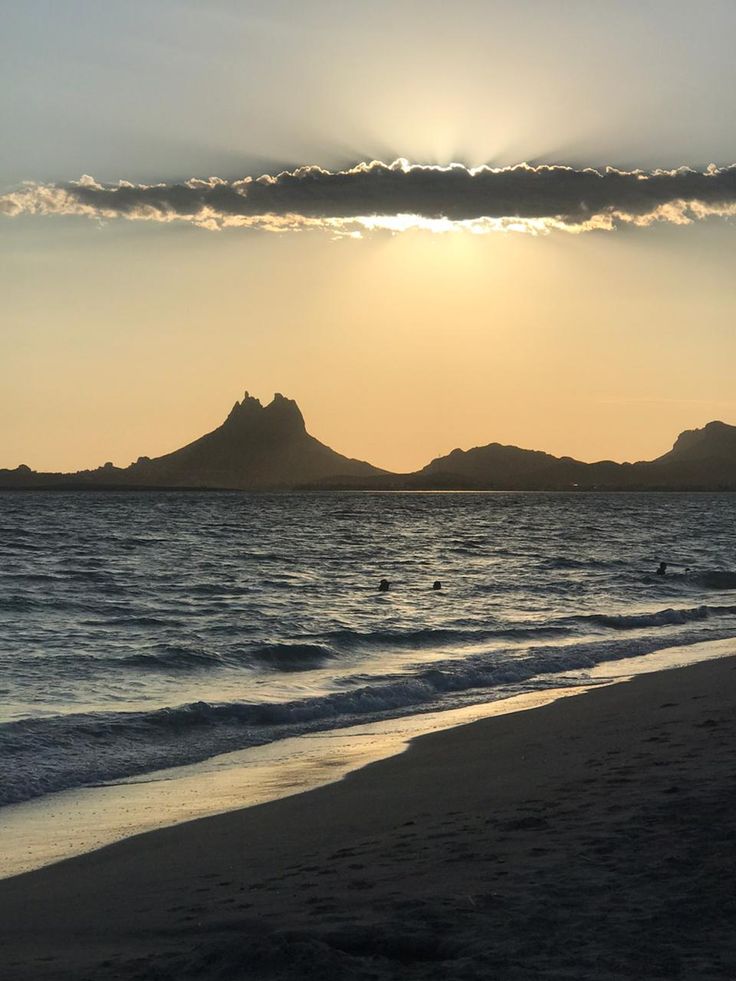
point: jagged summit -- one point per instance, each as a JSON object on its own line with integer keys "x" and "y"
{"x": 280, "y": 417}
{"x": 250, "y": 405}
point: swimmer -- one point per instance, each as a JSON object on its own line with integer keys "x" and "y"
{"x": 383, "y": 586}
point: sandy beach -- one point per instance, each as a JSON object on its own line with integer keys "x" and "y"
{"x": 592, "y": 838}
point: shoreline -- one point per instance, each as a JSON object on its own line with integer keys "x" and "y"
{"x": 65, "y": 824}
{"x": 62, "y": 825}
{"x": 593, "y": 837}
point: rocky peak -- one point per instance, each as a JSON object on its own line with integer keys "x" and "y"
{"x": 249, "y": 408}
{"x": 716, "y": 439}
{"x": 285, "y": 412}
{"x": 280, "y": 417}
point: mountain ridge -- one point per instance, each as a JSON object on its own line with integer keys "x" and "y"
{"x": 268, "y": 447}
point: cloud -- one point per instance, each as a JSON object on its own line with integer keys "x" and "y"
{"x": 400, "y": 195}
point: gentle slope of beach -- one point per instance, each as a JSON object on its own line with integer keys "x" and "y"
{"x": 591, "y": 838}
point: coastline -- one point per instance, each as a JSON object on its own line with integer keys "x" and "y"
{"x": 62, "y": 825}
{"x": 591, "y": 837}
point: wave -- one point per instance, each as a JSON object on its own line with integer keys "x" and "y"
{"x": 44, "y": 755}
{"x": 27, "y": 603}
{"x": 131, "y": 620}
{"x": 277, "y": 657}
{"x": 432, "y": 637}
{"x": 293, "y": 657}
{"x": 710, "y": 579}
{"x": 311, "y": 653}
{"x": 315, "y": 652}
{"x": 344, "y": 642}
{"x": 717, "y": 580}
{"x": 170, "y": 657}
{"x": 564, "y": 562}
{"x": 218, "y": 589}
{"x": 32, "y": 577}
{"x": 660, "y": 618}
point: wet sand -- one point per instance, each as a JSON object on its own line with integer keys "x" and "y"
{"x": 594, "y": 838}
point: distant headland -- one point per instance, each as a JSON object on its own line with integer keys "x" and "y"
{"x": 267, "y": 447}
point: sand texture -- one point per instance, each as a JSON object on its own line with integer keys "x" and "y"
{"x": 594, "y": 838}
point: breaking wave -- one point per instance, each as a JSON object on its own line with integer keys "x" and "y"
{"x": 51, "y": 754}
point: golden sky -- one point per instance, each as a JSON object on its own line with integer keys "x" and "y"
{"x": 397, "y": 347}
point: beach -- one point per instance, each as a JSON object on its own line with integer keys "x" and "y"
{"x": 591, "y": 838}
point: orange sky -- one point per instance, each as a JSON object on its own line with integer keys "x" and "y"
{"x": 398, "y": 348}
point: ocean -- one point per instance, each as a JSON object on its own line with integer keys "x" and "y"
{"x": 147, "y": 630}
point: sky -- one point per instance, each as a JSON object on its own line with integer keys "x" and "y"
{"x": 582, "y": 304}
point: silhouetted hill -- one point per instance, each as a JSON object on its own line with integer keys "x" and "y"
{"x": 700, "y": 459}
{"x": 715, "y": 442}
{"x": 492, "y": 465}
{"x": 268, "y": 447}
{"x": 257, "y": 447}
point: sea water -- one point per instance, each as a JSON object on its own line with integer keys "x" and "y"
{"x": 149, "y": 630}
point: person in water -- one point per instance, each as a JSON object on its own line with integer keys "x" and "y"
{"x": 662, "y": 569}
{"x": 436, "y": 584}
{"x": 383, "y": 586}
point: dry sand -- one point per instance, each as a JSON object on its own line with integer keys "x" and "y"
{"x": 593, "y": 838}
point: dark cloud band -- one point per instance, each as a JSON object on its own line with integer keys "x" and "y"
{"x": 550, "y": 196}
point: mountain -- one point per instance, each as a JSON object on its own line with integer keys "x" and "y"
{"x": 493, "y": 466}
{"x": 256, "y": 447}
{"x": 700, "y": 459}
{"x": 268, "y": 448}
{"x": 712, "y": 444}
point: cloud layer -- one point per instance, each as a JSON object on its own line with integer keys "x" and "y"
{"x": 400, "y": 195}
